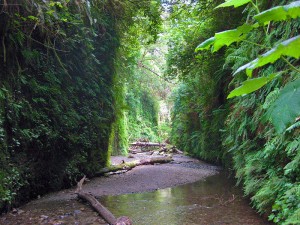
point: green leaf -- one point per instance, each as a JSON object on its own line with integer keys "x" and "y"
{"x": 226, "y": 37}
{"x": 279, "y": 13}
{"x": 229, "y": 36}
{"x": 293, "y": 219}
{"x": 290, "y": 47}
{"x": 235, "y": 3}
{"x": 283, "y": 112}
{"x": 251, "y": 85}
{"x": 33, "y": 18}
{"x": 294, "y": 126}
{"x": 205, "y": 45}
{"x": 2, "y": 95}
{"x": 3, "y": 92}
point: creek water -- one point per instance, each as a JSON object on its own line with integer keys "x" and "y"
{"x": 215, "y": 200}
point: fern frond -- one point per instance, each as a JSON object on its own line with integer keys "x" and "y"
{"x": 293, "y": 146}
{"x": 272, "y": 96}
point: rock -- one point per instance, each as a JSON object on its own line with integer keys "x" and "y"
{"x": 123, "y": 220}
{"x": 77, "y": 211}
{"x": 20, "y": 211}
{"x": 43, "y": 217}
{"x": 14, "y": 211}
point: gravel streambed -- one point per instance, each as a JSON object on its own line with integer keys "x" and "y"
{"x": 63, "y": 208}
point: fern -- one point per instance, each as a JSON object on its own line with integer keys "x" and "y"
{"x": 236, "y": 57}
{"x": 293, "y": 147}
{"x": 293, "y": 166}
{"x": 294, "y": 219}
{"x": 253, "y": 184}
{"x": 272, "y": 147}
{"x": 271, "y": 97}
{"x": 286, "y": 208}
{"x": 266, "y": 196}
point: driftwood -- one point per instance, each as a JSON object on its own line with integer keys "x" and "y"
{"x": 98, "y": 207}
{"x": 155, "y": 160}
{"x": 128, "y": 166}
{"x": 114, "y": 168}
{"x": 147, "y": 144}
{"x": 173, "y": 149}
{"x": 103, "y": 212}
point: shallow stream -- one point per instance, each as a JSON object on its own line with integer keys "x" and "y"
{"x": 212, "y": 201}
{"x": 215, "y": 200}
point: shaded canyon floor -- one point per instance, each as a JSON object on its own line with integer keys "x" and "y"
{"x": 185, "y": 191}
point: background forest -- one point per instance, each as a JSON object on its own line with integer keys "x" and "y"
{"x": 82, "y": 79}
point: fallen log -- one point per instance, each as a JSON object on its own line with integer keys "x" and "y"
{"x": 170, "y": 150}
{"x": 103, "y": 212}
{"x": 113, "y": 168}
{"x": 155, "y": 160}
{"x": 147, "y": 144}
{"x": 130, "y": 165}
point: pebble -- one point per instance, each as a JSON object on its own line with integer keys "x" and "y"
{"x": 43, "y": 217}
{"x": 77, "y": 211}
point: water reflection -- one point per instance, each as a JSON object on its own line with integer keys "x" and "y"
{"x": 213, "y": 201}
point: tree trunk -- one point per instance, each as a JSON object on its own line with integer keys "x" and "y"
{"x": 128, "y": 166}
{"x": 103, "y": 212}
{"x": 147, "y": 144}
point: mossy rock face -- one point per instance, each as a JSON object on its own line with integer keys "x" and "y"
{"x": 56, "y": 102}
{"x": 256, "y": 135}
{"x": 2, "y": 190}
{"x": 61, "y": 96}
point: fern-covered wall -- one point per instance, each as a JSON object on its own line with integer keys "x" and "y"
{"x": 265, "y": 156}
{"x": 257, "y": 135}
{"x": 142, "y": 115}
{"x": 61, "y": 102}
{"x": 199, "y": 102}
{"x": 56, "y": 96}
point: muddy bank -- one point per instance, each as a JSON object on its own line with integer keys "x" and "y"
{"x": 63, "y": 208}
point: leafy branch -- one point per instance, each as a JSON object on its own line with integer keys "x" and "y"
{"x": 284, "y": 50}
{"x": 288, "y": 47}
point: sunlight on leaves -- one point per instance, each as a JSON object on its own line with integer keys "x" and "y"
{"x": 226, "y": 38}
{"x": 279, "y": 13}
{"x": 251, "y": 85}
{"x": 289, "y": 48}
{"x": 234, "y": 3}
{"x": 230, "y": 36}
{"x": 205, "y": 45}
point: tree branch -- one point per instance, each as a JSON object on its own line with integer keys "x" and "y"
{"x": 141, "y": 65}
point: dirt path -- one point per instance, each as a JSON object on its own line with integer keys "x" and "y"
{"x": 63, "y": 208}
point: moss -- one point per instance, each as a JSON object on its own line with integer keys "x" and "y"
{"x": 56, "y": 105}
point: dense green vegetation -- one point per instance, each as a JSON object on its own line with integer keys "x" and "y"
{"x": 256, "y": 135}
{"x": 82, "y": 79}
{"x": 62, "y": 90}
{"x": 199, "y": 101}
